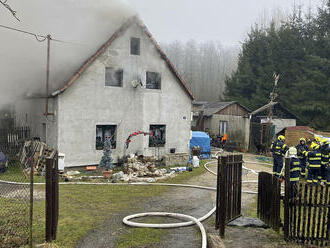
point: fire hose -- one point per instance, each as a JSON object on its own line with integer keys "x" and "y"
{"x": 191, "y": 220}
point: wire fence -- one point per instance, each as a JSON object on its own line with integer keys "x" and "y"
{"x": 15, "y": 199}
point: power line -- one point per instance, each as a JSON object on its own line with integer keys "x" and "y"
{"x": 38, "y": 37}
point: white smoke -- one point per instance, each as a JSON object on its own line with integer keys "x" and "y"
{"x": 85, "y": 23}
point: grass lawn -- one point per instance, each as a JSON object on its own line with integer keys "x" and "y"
{"x": 85, "y": 207}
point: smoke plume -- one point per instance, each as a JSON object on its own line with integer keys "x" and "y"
{"x": 84, "y": 25}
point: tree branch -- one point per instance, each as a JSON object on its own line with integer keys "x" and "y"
{"x": 7, "y": 6}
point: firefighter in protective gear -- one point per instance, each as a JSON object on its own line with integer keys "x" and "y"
{"x": 278, "y": 149}
{"x": 301, "y": 147}
{"x": 295, "y": 166}
{"x": 325, "y": 151}
{"x": 314, "y": 163}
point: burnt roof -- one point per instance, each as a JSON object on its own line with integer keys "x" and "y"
{"x": 210, "y": 108}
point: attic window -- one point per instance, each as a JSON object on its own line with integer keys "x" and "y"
{"x": 135, "y": 46}
{"x": 113, "y": 77}
{"x": 153, "y": 80}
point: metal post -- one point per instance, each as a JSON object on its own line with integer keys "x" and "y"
{"x": 31, "y": 202}
{"x": 47, "y": 73}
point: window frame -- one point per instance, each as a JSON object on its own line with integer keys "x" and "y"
{"x": 159, "y": 83}
{"x": 222, "y": 126}
{"x": 152, "y": 142}
{"x": 115, "y": 70}
{"x": 138, "y": 53}
{"x": 100, "y": 146}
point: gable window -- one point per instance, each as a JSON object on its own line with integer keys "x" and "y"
{"x": 135, "y": 46}
{"x": 158, "y": 137}
{"x": 104, "y": 131}
{"x": 113, "y": 77}
{"x": 223, "y": 127}
{"x": 153, "y": 80}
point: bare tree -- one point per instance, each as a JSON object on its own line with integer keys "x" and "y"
{"x": 10, "y": 9}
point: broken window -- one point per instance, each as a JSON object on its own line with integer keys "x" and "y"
{"x": 103, "y": 131}
{"x": 153, "y": 80}
{"x": 113, "y": 77}
{"x": 158, "y": 136}
{"x": 135, "y": 46}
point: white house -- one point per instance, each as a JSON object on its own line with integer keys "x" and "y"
{"x": 128, "y": 85}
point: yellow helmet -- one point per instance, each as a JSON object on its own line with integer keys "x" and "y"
{"x": 302, "y": 139}
{"x": 281, "y": 138}
{"x": 317, "y": 138}
{"x": 315, "y": 146}
{"x": 324, "y": 141}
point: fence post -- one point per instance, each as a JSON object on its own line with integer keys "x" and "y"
{"x": 31, "y": 202}
{"x": 287, "y": 199}
{"x": 51, "y": 197}
{"x": 218, "y": 195}
{"x": 223, "y": 198}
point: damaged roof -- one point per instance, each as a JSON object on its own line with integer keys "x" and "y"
{"x": 121, "y": 30}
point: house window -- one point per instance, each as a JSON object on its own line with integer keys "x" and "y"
{"x": 113, "y": 77}
{"x": 104, "y": 131}
{"x": 153, "y": 80}
{"x": 135, "y": 46}
{"x": 223, "y": 127}
{"x": 158, "y": 137}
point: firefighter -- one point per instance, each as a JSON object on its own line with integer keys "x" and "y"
{"x": 295, "y": 166}
{"x": 314, "y": 163}
{"x": 295, "y": 169}
{"x": 325, "y": 151}
{"x": 301, "y": 147}
{"x": 278, "y": 149}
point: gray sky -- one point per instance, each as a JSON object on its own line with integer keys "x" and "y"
{"x": 224, "y": 20}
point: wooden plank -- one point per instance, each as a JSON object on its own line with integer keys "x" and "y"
{"x": 300, "y": 189}
{"x": 223, "y": 198}
{"x": 240, "y": 184}
{"x": 55, "y": 197}
{"x": 309, "y": 209}
{"x": 49, "y": 200}
{"x": 327, "y": 243}
{"x": 319, "y": 214}
{"x": 303, "y": 233}
{"x": 286, "y": 200}
{"x": 218, "y": 195}
{"x": 315, "y": 200}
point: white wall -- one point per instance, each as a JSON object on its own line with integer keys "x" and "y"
{"x": 283, "y": 123}
{"x": 88, "y": 103}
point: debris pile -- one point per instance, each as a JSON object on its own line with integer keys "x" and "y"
{"x": 142, "y": 169}
{"x": 38, "y": 151}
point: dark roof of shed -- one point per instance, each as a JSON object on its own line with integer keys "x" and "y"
{"x": 273, "y": 104}
{"x": 213, "y": 107}
{"x": 119, "y": 31}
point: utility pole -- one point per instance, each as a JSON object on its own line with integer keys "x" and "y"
{"x": 273, "y": 97}
{"x": 47, "y": 75}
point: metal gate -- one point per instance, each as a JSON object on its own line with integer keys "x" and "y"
{"x": 229, "y": 190}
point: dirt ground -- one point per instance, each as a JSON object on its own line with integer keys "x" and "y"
{"x": 194, "y": 202}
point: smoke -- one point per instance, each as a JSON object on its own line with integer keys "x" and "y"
{"x": 84, "y": 24}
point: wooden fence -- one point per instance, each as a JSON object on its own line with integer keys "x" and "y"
{"x": 229, "y": 190}
{"x": 12, "y": 140}
{"x": 306, "y": 212}
{"x": 269, "y": 200}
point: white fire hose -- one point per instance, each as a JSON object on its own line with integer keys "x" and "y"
{"x": 191, "y": 220}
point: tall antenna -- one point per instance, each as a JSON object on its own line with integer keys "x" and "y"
{"x": 273, "y": 96}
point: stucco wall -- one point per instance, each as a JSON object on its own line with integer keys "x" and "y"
{"x": 88, "y": 103}
{"x": 238, "y": 128}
